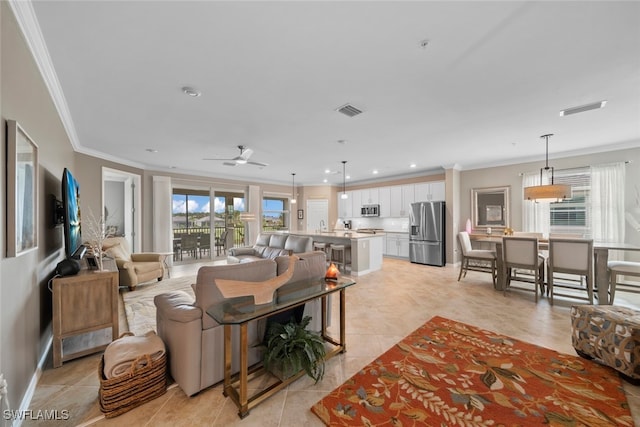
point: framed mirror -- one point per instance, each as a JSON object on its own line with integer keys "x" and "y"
{"x": 490, "y": 207}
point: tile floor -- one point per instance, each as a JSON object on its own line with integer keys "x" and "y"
{"x": 381, "y": 309}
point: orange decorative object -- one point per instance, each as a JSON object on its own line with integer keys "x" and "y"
{"x": 332, "y": 273}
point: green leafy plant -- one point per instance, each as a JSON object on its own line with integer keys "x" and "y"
{"x": 290, "y": 348}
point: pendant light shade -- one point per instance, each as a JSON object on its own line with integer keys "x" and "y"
{"x": 551, "y": 192}
{"x": 293, "y": 189}
{"x": 344, "y": 180}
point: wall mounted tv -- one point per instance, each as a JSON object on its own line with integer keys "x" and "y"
{"x": 71, "y": 204}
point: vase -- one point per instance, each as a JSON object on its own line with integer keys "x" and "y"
{"x": 468, "y": 226}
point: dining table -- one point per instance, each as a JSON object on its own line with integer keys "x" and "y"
{"x": 601, "y": 258}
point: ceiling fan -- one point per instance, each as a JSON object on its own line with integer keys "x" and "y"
{"x": 242, "y": 159}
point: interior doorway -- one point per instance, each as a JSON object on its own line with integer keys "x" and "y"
{"x": 121, "y": 200}
{"x": 317, "y": 215}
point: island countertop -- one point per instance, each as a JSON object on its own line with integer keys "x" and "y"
{"x": 342, "y": 234}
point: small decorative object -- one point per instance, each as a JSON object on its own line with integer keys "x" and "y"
{"x": 468, "y": 226}
{"x": 332, "y": 273}
{"x": 291, "y": 348}
{"x": 300, "y": 214}
{"x": 489, "y": 231}
{"x": 262, "y": 292}
{"x": 96, "y": 235}
{"x": 508, "y": 231}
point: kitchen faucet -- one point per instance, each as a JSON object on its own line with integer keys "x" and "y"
{"x": 322, "y": 225}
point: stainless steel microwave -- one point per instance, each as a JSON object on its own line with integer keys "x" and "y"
{"x": 370, "y": 210}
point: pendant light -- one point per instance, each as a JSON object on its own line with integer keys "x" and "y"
{"x": 293, "y": 189}
{"x": 344, "y": 183}
{"x": 550, "y": 192}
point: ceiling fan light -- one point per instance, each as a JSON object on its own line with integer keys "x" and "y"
{"x": 241, "y": 161}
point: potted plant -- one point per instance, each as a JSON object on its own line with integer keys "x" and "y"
{"x": 290, "y": 348}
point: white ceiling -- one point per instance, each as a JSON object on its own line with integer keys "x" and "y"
{"x": 491, "y": 80}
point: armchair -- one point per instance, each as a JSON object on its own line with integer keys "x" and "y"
{"x": 133, "y": 268}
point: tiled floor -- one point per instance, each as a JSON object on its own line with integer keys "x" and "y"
{"x": 381, "y": 309}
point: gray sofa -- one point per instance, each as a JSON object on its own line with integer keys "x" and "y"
{"x": 195, "y": 342}
{"x": 270, "y": 246}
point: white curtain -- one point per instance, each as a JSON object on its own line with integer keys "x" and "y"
{"x": 607, "y": 202}
{"x": 535, "y": 215}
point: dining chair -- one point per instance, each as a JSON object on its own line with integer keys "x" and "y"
{"x": 624, "y": 268}
{"x": 189, "y": 244}
{"x": 570, "y": 256}
{"x": 481, "y": 259}
{"x": 204, "y": 244}
{"x": 522, "y": 253}
{"x": 221, "y": 242}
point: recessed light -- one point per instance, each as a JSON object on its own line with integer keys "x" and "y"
{"x": 188, "y": 90}
{"x": 342, "y": 141}
{"x": 424, "y": 43}
{"x": 375, "y": 171}
{"x": 412, "y": 165}
{"x": 325, "y": 180}
{"x": 152, "y": 150}
{"x": 327, "y": 171}
{"x": 348, "y": 177}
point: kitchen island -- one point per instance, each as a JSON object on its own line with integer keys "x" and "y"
{"x": 366, "y": 248}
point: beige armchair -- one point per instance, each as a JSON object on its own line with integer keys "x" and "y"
{"x": 133, "y": 268}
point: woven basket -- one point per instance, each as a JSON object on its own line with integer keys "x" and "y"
{"x": 141, "y": 384}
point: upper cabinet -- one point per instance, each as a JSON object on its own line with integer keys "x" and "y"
{"x": 394, "y": 201}
{"x": 429, "y": 191}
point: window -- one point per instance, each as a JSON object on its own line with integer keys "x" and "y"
{"x": 191, "y": 212}
{"x": 573, "y": 215}
{"x": 274, "y": 215}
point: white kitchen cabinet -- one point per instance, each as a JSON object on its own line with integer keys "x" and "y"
{"x": 370, "y": 196}
{"x": 396, "y": 201}
{"x": 384, "y": 198}
{"x": 344, "y": 206}
{"x": 429, "y": 191}
{"x": 408, "y": 197}
{"x": 356, "y": 202}
{"x": 397, "y": 245}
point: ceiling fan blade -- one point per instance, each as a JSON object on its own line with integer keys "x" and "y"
{"x": 257, "y": 164}
{"x": 246, "y": 153}
{"x": 210, "y": 158}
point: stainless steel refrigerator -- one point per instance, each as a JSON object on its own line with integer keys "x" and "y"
{"x": 426, "y": 241}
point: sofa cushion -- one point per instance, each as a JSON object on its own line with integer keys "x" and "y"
{"x": 278, "y": 240}
{"x": 263, "y": 240}
{"x": 310, "y": 265}
{"x": 298, "y": 244}
{"x": 207, "y": 293}
{"x": 272, "y": 253}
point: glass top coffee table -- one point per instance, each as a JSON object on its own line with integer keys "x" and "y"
{"x": 241, "y": 310}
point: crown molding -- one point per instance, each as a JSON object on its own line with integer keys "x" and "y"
{"x": 28, "y": 23}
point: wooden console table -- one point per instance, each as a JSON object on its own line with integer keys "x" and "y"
{"x": 84, "y": 303}
{"x": 241, "y": 310}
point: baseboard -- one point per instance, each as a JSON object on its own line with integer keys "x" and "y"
{"x": 28, "y": 394}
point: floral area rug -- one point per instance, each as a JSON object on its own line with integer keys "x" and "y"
{"x": 448, "y": 373}
{"x": 138, "y": 304}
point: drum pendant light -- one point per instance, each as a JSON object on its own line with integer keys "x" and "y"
{"x": 293, "y": 189}
{"x": 344, "y": 183}
{"x": 550, "y": 192}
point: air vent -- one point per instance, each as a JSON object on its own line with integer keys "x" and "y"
{"x": 583, "y": 108}
{"x": 349, "y": 110}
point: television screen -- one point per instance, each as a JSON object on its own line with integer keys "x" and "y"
{"x": 71, "y": 205}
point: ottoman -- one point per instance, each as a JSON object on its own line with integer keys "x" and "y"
{"x": 610, "y": 335}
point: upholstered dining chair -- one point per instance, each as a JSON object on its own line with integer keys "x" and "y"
{"x": 570, "y": 256}
{"x": 522, "y": 253}
{"x": 622, "y": 268}
{"x": 481, "y": 259}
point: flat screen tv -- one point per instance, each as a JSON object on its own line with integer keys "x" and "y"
{"x": 71, "y": 205}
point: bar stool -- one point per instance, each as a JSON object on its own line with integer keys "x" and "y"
{"x": 321, "y": 246}
{"x": 338, "y": 256}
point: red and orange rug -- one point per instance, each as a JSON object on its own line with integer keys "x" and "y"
{"x": 448, "y": 373}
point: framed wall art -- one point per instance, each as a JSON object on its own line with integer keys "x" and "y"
{"x": 22, "y": 191}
